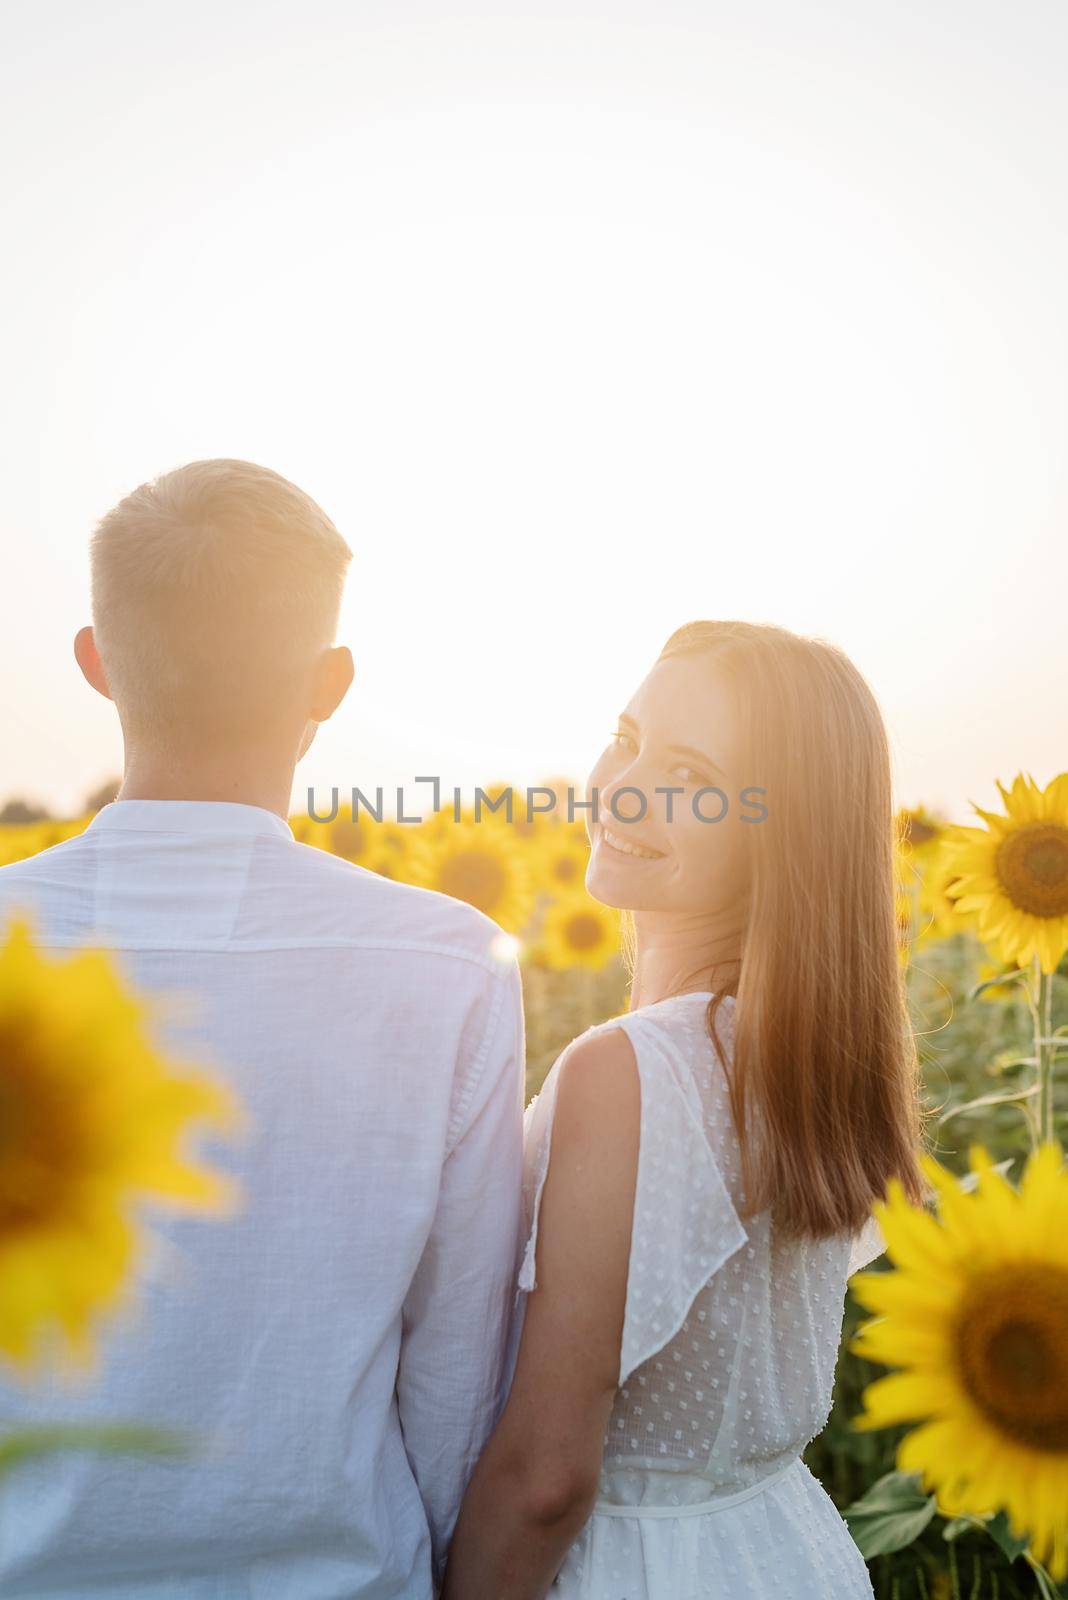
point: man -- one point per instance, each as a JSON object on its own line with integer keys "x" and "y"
{"x": 339, "y": 1350}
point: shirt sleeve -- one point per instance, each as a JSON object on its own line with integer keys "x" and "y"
{"x": 457, "y": 1342}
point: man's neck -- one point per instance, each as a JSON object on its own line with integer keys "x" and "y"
{"x": 248, "y": 784}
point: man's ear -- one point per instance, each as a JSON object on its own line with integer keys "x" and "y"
{"x": 88, "y": 658}
{"x": 333, "y": 675}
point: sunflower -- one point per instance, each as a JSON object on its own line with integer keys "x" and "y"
{"x": 91, "y": 1116}
{"x": 15, "y": 843}
{"x": 494, "y": 806}
{"x": 390, "y": 854}
{"x": 562, "y": 858}
{"x": 307, "y": 831}
{"x": 577, "y": 931}
{"x": 20, "y": 840}
{"x": 351, "y": 837}
{"x": 995, "y": 993}
{"x": 939, "y": 915}
{"x": 533, "y": 817}
{"x": 479, "y": 862}
{"x": 977, "y": 1315}
{"x": 906, "y": 895}
{"x": 919, "y": 832}
{"x": 356, "y": 838}
{"x": 1014, "y": 873}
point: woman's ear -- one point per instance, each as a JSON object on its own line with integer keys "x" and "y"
{"x": 88, "y": 658}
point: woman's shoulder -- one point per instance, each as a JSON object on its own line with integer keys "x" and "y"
{"x": 685, "y": 1013}
{"x": 673, "y": 1030}
{"x": 680, "y": 1025}
{"x": 593, "y": 1066}
{"x": 622, "y": 1108}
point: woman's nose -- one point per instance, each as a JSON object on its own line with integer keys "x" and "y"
{"x": 627, "y": 797}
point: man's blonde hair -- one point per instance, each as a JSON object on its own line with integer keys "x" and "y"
{"x": 215, "y": 589}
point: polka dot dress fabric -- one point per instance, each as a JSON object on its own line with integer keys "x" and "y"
{"x": 730, "y": 1342}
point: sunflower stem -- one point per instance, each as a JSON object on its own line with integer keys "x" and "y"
{"x": 954, "y": 1575}
{"x": 1045, "y": 1050}
{"x": 1046, "y": 1586}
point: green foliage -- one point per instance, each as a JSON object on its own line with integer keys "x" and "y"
{"x": 966, "y": 1049}
{"x": 890, "y": 1515}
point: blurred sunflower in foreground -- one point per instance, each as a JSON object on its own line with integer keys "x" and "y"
{"x": 91, "y": 1119}
{"x": 977, "y": 1315}
{"x": 1013, "y": 874}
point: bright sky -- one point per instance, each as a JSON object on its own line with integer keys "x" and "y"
{"x": 581, "y": 321}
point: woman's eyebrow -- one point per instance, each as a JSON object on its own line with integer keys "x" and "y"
{"x": 695, "y": 755}
{"x": 630, "y": 722}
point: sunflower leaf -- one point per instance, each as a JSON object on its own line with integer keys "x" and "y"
{"x": 998, "y": 1529}
{"x": 890, "y": 1515}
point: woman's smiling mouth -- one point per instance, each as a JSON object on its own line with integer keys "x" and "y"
{"x": 624, "y": 847}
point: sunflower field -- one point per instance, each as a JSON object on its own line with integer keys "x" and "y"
{"x": 947, "y": 1444}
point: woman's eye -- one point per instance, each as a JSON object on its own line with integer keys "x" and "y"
{"x": 690, "y": 776}
{"x": 623, "y": 741}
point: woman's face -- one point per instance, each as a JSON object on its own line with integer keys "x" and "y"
{"x": 678, "y": 732}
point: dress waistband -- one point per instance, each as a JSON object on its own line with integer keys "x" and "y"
{"x": 703, "y": 1508}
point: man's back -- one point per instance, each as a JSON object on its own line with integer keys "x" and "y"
{"x": 338, "y": 1349}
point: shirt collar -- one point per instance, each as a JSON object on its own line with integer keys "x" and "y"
{"x": 189, "y": 816}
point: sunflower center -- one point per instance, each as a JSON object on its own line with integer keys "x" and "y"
{"x": 1032, "y": 868}
{"x": 1012, "y": 1346}
{"x": 41, "y": 1149}
{"x": 566, "y": 869}
{"x": 475, "y": 876}
{"x": 583, "y": 931}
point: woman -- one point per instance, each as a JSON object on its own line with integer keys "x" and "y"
{"x": 714, "y": 1152}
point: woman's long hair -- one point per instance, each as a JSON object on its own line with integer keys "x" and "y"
{"x": 824, "y": 1060}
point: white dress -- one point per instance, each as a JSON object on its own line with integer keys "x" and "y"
{"x": 730, "y": 1341}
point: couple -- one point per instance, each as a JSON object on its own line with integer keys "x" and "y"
{"x": 421, "y": 1360}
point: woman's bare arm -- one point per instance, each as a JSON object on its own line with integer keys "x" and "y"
{"x": 536, "y": 1482}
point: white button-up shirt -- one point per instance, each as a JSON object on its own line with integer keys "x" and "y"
{"x": 339, "y": 1349}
